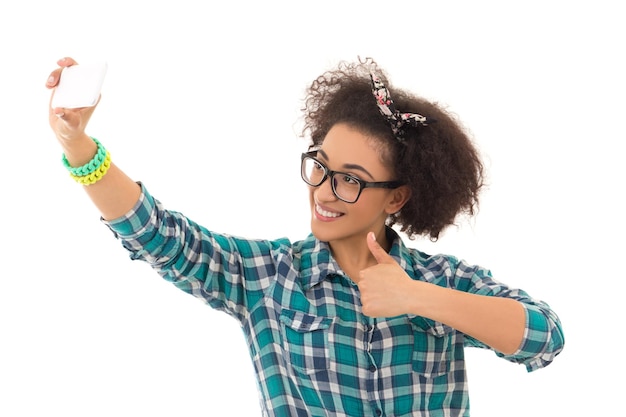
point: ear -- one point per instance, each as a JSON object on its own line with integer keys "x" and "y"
{"x": 397, "y": 199}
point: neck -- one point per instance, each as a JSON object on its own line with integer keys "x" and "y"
{"x": 353, "y": 255}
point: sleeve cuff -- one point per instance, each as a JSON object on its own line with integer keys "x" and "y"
{"x": 131, "y": 224}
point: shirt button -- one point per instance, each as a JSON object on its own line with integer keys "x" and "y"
{"x": 372, "y": 368}
{"x": 378, "y": 412}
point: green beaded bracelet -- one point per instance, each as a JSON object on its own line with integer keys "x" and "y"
{"x": 90, "y": 166}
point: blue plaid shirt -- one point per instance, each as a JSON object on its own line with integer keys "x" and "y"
{"x": 314, "y": 352}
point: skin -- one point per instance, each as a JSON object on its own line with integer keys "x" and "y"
{"x": 359, "y": 245}
{"x": 347, "y": 150}
{"x": 115, "y": 194}
{"x": 355, "y": 232}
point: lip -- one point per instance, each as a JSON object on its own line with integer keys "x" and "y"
{"x": 322, "y": 217}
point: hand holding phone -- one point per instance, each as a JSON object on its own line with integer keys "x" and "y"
{"x": 79, "y": 85}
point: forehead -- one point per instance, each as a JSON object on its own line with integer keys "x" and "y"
{"x": 346, "y": 145}
{"x": 344, "y": 142}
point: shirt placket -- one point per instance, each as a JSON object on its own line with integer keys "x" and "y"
{"x": 372, "y": 375}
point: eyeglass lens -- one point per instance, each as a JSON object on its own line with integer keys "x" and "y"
{"x": 345, "y": 186}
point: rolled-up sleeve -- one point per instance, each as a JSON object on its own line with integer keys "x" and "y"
{"x": 543, "y": 336}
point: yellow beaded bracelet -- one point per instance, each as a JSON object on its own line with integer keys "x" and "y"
{"x": 96, "y": 175}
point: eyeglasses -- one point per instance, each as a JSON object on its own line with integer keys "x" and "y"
{"x": 346, "y": 187}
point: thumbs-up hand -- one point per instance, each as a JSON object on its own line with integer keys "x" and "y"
{"x": 386, "y": 289}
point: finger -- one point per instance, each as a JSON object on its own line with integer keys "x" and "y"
{"x": 70, "y": 117}
{"x": 53, "y": 78}
{"x": 59, "y": 114}
{"x": 66, "y": 62}
{"x": 379, "y": 253}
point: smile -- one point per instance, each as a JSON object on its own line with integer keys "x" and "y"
{"x": 327, "y": 214}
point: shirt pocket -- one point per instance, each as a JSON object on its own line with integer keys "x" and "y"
{"x": 305, "y": 339}
{"x": 431, "y": 347}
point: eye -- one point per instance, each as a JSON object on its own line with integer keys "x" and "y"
{"x": 317, "y": 165}
{"x": 349, "y": 179}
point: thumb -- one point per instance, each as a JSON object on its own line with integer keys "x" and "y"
{"x": 379, "y": 253}
{"x": 68, "y": 118}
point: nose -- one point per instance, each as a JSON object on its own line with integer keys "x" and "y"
{"x": 324, "y": 191}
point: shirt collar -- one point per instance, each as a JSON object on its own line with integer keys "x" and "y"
{"x": 317, "y": 263}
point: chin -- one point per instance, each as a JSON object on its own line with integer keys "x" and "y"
{"x": 319, "y": 234}
{"x": 323, "y": 232}
{"x": 328, "y": 232}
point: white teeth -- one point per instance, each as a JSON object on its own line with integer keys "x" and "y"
{"x": 326, "y": 213}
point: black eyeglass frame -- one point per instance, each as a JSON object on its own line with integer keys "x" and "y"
{"x": 328, "y": 173}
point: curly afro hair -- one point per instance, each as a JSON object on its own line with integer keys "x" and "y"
{"x": 438, "y": 162}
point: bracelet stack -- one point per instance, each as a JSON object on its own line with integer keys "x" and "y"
{"x": 92, "y": 171}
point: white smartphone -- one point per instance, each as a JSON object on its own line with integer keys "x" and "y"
{"x": 79, "y": 85}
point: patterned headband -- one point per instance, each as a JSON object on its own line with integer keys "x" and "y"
{"x": 396, "y": 119}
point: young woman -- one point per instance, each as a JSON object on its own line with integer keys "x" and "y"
{"x": 348, "y": 321}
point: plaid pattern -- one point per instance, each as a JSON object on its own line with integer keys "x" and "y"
{"x": 314, "y": 352}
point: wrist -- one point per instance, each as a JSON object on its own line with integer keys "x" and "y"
{"x": 421, "y": 300}
{"x": 91, "y": 171}
{"x": 80, "y": 151}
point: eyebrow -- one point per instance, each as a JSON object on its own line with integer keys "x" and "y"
{"x": 346, "y": 166}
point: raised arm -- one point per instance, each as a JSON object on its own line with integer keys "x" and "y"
{"x": 115, "y": 193}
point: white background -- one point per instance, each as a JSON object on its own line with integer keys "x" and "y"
{"x": 201, "y": 103}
